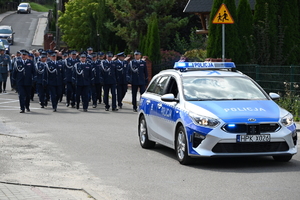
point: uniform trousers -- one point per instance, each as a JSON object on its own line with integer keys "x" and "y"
{"x": 24, "y": 96}
{"x": 96, "y": 93}
{"x": 3, "y": 79}
{"x": 83, "y": 92}
{"x": 112, "y": 88}
{"x": 121, "y": 92}
{"x": 55, "y": 93}
{"x": 70, "y": 93}
{"x": 134, "y": 89}
{"x": 41, "y": 90}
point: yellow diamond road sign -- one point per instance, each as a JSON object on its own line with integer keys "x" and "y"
{"x": 223, "y": 16}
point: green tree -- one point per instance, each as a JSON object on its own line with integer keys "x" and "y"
{"x": 244, "y": 22}
{"x": 132, "y": 16}
{"x": 154, "y": 41}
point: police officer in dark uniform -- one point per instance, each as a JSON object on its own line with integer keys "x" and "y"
{"x": 138, "y": 76}
{"x": 23, "y": 75}
{"x": 70, "y": 89}
{"x": 96, "y": 66}
{"x": 17, "y": 57}
{"x": 122, "y": 74}
{"x": 5, "y": 66}
{"x": 41, "y": 67}
{"x": 101, "y": 58}
{"x": 83, "y": 78}
{"x": 89, "y": 53}
{"x": 54, "y": 77}
{"x": 109, "y": 79}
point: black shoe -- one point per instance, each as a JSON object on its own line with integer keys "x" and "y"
{"x": 94, "y": 106}
{"x": 77, "y": 107}
{"x": 27, "y": 109}
{"x": 67, "y": 104}
{"x": 42, "y": 106}
{"x": 32, "y": 99}
{"x": 120, "y": 107}
{"x": 134, "y": 110}
{"x": 84, "y": 110}
{"x": 22, "y": 111}
{"x": 54, "y": 110}
{"x": 73, "y": 106}
{"x": 4, "y": 91}
{"x": 115, "y": 109}
{"x": 106, "y": 109}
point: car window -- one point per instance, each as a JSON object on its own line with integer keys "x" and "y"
{"x": 160, "y": 86}
{"x": 152, "y": 86}
{"x": 221, "y": 88}
{"x": 172, "y": 87}
{"x": 23, "y": 5}
{"x": 5, "y": 31}
{"x": 5, "y": 42}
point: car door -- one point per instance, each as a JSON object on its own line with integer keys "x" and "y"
{"x": 166, "y": 112}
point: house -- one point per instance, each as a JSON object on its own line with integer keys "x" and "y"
{"x": 202, "y": 8}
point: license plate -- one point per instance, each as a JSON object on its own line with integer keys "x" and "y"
{"x": 253, "y": 138}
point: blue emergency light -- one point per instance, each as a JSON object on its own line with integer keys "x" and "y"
{"x": 185, "y": 66}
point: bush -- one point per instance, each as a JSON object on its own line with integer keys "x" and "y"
{"x": 196, "y": 55}
{"x": 168, "y": 58}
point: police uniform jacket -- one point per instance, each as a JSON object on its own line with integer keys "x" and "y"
{"x": 108, "y": 72}
{"x": 40, "y": 68}
{"x": 83, "y": 74}
{"x": 122, "y": 71}
{"x": 54, "y": 75}
{"x": 69, "y": 65}
{"x": 96, "y": 67}
{"x": 5, "y": 63}
{"x": 24, "y": 72}
{"x": 138, "y": 74}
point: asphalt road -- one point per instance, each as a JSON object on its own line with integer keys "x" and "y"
{"x": 99, "y": 151}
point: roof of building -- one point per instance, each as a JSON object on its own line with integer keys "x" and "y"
{"x": 198, "y": 6}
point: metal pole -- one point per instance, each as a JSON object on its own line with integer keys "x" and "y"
{"x": 223, "y": 42}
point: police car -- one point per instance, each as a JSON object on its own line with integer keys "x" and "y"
{"x": 210, "y": 109}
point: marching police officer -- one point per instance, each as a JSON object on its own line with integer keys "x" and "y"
{"x": 70, "y": 89}
{"x": 138, "y": 76}
{"x": 122, "y": 76}
{"x": 109, "y": 79}
{"x": 54, "y": 77}
{"x": 96, "y": 66}
{"x": 83, "y": 78}
{"x": 41, "y": 67}
{"x": 101, "y": 58}
{"x": 5, "y": 66}
{"x": 13, "y": 60}
{"x": 23, "y": 75}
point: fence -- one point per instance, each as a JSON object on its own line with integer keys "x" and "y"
{"x": 278, "y": 79}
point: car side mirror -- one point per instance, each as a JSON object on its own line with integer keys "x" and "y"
{"x": 274, "y": 96}
{"x": 169, "y": 98}
{"x": 13, "y": 33}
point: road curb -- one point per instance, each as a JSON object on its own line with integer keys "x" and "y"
{"x": 3, "y": 15}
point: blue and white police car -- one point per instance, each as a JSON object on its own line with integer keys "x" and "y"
{"x": 210, "y": 109}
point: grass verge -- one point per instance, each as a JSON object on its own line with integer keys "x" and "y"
{"x": 40, "y": 8}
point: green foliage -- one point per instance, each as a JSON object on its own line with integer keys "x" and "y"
{"x": 168, "y": 58}
{"x": 131, "y": 18}
{"x": 153, "y": 44}
{"x": 40, "y": 8}
{"x": 196, "y": 55}
{"x": 291, "y": 102}
{"x": 244, "y": 22}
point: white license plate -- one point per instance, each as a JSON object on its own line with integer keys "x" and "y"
{"x": 253, "y": 138}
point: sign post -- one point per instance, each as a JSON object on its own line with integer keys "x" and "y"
{"x": 223, "y": 17}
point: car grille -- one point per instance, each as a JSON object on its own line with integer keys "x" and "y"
{"x": 252, "y": 129}
{"x": 250, "y": 147}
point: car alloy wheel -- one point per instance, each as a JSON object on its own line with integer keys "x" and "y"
{"x": 181, "y": 147}
{"x": 143, "y": 134}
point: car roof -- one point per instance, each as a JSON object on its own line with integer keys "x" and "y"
{"x": 24, "y": 3}
{"x": 5, "y": 27}
{"x": 206, "y": 72}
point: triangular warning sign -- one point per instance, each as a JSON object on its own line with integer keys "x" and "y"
{"x": 223, "y": 16}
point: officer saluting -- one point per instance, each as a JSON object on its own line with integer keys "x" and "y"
{"x": 138, "y": 76}
{"x": 83, "y": 78}
{"x": 109, "y": 78}
{"x": 122, "y": 75}
{"x": 54, "y": 77}
{"x": 23, "y": 75}
{"x": 5, "y": 66}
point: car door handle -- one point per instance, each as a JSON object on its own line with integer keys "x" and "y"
{"x": 159, "y": 105}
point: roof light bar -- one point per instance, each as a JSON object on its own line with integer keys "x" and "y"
{"x": 184, "y": 66}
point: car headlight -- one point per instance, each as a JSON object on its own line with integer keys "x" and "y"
{"x": 203, "y": 121}
{"x": 287, "y": 120}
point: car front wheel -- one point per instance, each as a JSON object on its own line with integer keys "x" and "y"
{"x": 143, "y": 134}
{"x": 181, "y": 147}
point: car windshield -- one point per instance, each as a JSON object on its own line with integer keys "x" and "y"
{"x": 5, "y": 42}
{"x": 5, "y": 31}
{"x": 221, "y": 88}
{"x": 23, "y": 5}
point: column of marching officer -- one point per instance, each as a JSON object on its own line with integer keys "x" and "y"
{"x": 80, "y": 77}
